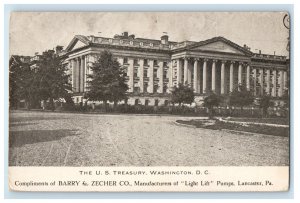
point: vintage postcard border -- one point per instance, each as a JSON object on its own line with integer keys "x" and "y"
{"x": 202, "y": 195}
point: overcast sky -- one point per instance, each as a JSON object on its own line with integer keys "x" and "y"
{"x": 36, "y": 32}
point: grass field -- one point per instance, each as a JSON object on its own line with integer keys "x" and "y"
{"x": 219, "y": 125}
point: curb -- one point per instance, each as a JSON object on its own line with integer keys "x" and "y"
{"x": 183, "y": 125}
{"x": 253, "y": 123}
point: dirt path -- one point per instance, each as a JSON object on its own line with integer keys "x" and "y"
{"x": 62, "y": 139}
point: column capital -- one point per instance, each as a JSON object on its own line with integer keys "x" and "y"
{"x": 205, "y": 59}
{"x": 241, "y": 63}
{"x": 196, "y": 59}
{"x": 232, "y": 62}
{"x": 223, "y": 61}
{"x": 215, "y": 60}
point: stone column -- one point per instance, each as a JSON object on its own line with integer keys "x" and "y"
{"x": 185, "y": 76}
{"x": 151, "y": 79}
{"x": 204, "y": 75}
{"x": 196, "y": 77}
{"x": 141, "y": 69}
{"x": 131, "y": 74}
{"x": 86, "y": 64}
{"x": 190, "y": 67}
{"x": 179, "y": 72}
{"x": 78, "y": 75}
{"x": 268, "y": 82}
{"x": 281, "y": 83}
{"x": 161, "y": 77}
{"x": 231, "y": 77}
{"x": 213, "y": 76}
{"x": 254, "y": 81}
{"x": 274, "y": 83}
{"x": 248, "y": 77}
{"x": 285, "y": 85}
{"x": 261, "y": 80}
{"x": 223, "y": 77}
{"x": 170, "y": 71}
{"x": 82, "y": 73}
{"x": 73, "y": 61}
{"x": 240, "y": 74}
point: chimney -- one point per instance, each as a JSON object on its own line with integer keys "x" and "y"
{"x": 91, "y": 38}
{"x": 164, "y": 39}
{"x": 125, "y": 34}
{"x": 58, "y": 49}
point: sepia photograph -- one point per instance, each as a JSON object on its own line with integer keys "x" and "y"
{"x": 149, "y": 89}
{"x": 149, "y": 101}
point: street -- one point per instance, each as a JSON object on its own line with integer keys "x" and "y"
{"x": 73, "y": 139}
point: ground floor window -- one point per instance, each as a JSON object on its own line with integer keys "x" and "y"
{"x": 166, "y": 102}
{"x": 156, "y": 102}
{"x": 136, "y": 102}
{"x": 146, "y": 102}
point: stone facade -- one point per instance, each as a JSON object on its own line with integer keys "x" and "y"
{"x": 155, "y": 66}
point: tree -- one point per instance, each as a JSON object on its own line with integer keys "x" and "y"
{"x": 52, "y": 78}
{"x": 264, "y": 103}
{"x": 210, "y": 101}
{"x": 183, "y": 94}
{"x": 241, "y": 97}
{"x": 22, "y": 83}
{"x": 108, "y": 81}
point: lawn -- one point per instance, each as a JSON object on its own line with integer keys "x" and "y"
{"x": 219, "y": 125}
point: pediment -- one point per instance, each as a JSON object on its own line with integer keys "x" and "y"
{"x": 77, "y": 42}
{"x": 218, "y": 46}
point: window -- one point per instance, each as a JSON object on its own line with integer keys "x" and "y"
{"x": 135, "y": 62}
{"x": 165, "y": 64}
{"x": 136, "y": 90}
{"x": 145, "y": 73}
{"x": 155, "y": 88}
{"x": 145, "y": 87}
{"x": 155, "y": 63}
{"x": 125, "y": 71}
{"x": 136, "y": 102}
{"x": 165, "y": 74}
{"x": 125, "y": 61}
{"x": 146, "y": 102}
{"x": 155, "y": 73}
{"x": 145, "y": 62}
{"x": 156, "y": 102}
{"x": 166, "y": 102}
{"x": 135, "y": 72}
{"x": 165, "y": 89}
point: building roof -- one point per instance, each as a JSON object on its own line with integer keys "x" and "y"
{"x": 157, "y": 44}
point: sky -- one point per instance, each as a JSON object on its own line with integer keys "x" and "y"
{"x": 32, "y": 32}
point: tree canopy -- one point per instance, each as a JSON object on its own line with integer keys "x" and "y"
{"x": 45, "y": 79}
{"x": 52, "y": 77}
{"x": 108, "y": 80}
{"x": 183, "y": 94}
{"x": 241, "y": 97}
